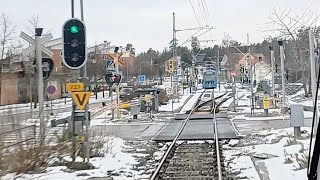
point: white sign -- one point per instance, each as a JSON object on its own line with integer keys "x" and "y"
{"x": 32, "y": 41}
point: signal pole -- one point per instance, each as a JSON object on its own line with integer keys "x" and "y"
{"x": 174, "y": 57}
{"x": 251, "y": 79}
{"x": 284, "y": 106}
{"x": 38, "y": 33}
{"x": 218, "y": 69}
{"x": 272, "y": 69}
{"x": 116, "y": 60}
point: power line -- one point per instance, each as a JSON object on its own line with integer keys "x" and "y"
{"x": 203, "y": 11}
{"x": 195, "y": 14}
{"x": 208, "y": 14}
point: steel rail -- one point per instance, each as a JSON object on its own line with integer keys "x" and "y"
{"x": 217, "y": 143}
{"x": 164, "y": 158}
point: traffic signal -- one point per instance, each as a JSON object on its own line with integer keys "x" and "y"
{"x": 113, "y": 79}
{"x": 116, "y": 78}
{"x": 74, "y": 44}
{"x": 108, "y": 79}
{"x": 47, "y": 67}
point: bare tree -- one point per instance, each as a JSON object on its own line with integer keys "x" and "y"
{"x": 284, "y": 24}
{"x": 7, "y": 30}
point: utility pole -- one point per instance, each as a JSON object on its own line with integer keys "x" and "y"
{"x": 251, "y": 79}
{"x": 83, "y": 70}
{"x": 174, "y": 57}
{"x": 116, "y": 60}
{"x": 218, "y": 70}
{"x": 38, "y": 33}
{"x": 272, "y": 71}
{"x": 284, "y": 101}
{"x": 312, "y": 43}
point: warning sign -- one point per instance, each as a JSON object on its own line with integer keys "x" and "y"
{"x": 81, "y": 99}
{"x": 266, "y": 104}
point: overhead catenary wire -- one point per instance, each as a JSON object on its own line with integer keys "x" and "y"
{"x": 195, "y": 14}
{"x": 203, "y": 12}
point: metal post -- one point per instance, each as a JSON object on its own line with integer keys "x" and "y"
{"x": 313, "y": 73}
{"x": 30, "y": 89}
{"x": 83, "y": 70}
{"x": 84, "y": 76}
{"x": 111, "y": 95}
{"x": 172, "y": 95}
{"x": 40, "y": 81}
{"x": 73, "y": 127}
{"x": 117, "y": 86}
{"x": 272, "y": 71}
{"x": 72, "y": 8}
{"x": 127, "y": 72}
{"x": 51, "y": 112}
{"x": 234, "y": 93}
{"x": 218, "y": 71}
{"x": 173, "y": 55}
{"x": 283, "y": 108}
{"x": 251, "y": 81}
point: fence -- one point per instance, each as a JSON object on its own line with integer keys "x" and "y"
{"x": 17, "y": 136}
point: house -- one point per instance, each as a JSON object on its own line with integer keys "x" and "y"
{"x": 18, "y": 79}
{"x": 12, "y": 81}
{"x": 235, "y": 61}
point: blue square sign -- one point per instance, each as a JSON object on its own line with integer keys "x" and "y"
{"x": 108, "y": 62}
{"x": 142, "y": 78}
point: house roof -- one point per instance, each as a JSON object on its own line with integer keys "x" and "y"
{"x": 239, "y": 58}
{"x": 199, "y": 58}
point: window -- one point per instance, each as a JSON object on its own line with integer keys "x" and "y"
{"x": 61, "y": 64}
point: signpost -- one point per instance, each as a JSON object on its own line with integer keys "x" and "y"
{"x": 51, "y": 90}
{"x": 38, "y": 48}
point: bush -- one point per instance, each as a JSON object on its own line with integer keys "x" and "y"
{"x": 163, "y": 97}
{"x": 260, "y": 88}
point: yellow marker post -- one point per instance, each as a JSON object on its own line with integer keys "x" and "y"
{"x": 266, "y": 106}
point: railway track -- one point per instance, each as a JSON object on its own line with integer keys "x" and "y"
{"x": 193, "y": 159}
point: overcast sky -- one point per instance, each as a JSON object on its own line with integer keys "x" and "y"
{"x": 148, "y": 23}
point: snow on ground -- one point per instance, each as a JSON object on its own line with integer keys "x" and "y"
{"x": 56, "y": 104}
{"x": 192, "y": 101}
{"x": 176, "y": 105}
{"x": 286, "y": 155}
{"x": 117, "y": 163}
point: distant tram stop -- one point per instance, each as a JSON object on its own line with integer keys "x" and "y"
{"x": 149, "y": 99}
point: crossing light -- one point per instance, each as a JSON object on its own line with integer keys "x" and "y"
{"x": 74, "y": 44}
{"x": 116, "y": 78}
{"x": 113, "y": 79}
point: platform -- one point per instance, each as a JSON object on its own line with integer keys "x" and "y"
{"x": 201, "y": 129}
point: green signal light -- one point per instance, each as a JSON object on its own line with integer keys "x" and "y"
{"x": 74, "y": 29}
